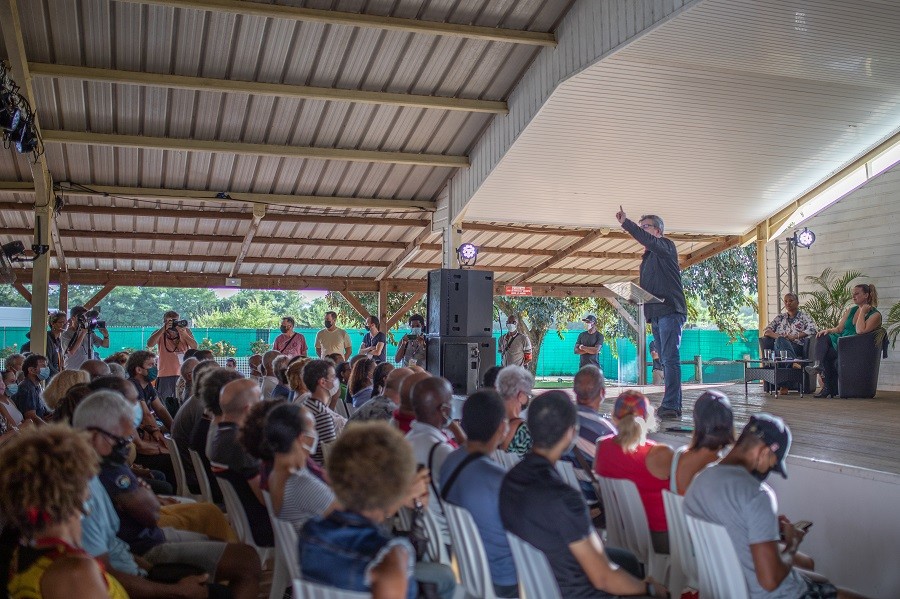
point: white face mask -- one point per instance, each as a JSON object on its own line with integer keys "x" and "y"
{"x": 336, "y": 386}
{"x": 311, "y": 448}
{"x": 511, "y": 327}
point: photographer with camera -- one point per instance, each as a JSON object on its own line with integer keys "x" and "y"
{"x": 79, "y": 340}
{"x": 173, "y": 339}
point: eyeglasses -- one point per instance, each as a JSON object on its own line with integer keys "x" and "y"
{"x": 648, "y": 226}
{"x": 116, "y": 439}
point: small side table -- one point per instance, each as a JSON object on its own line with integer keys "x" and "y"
{"x": 775, "y": 372}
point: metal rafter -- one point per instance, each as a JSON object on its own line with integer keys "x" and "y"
{"x": 280, "y": 90}
{"x": 274, "y": 11}
{"x": 252, "y": 149}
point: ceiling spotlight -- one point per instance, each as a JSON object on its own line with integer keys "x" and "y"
{"x": 804, "y": 238}
{"x": 9, "y": 118}
{"x": 467, "y": 254}
{"x": 26, "y": 140}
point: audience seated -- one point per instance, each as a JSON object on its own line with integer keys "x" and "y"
{"x": 373, "y": 472}
{"x": 361, "y": 381}
{"x": 280, "y": 366}
{"x": 60, "y": 384}
{"x": 319, "y": 377}
{"x": 231, "y": 461}
{"x": 294, "y": 376}
{"x": 118, "y": 370}
{"x": 255, "y": 364}
{"x": 471, "y": 480}
{"x": 297, "y": 495}
{"x": 185, "y": 381}
{"x": 269, "y": 380}
{"x": 540, "y": 508}
{"x": 590, "y": 391}
{"x": 142, "y": 371}
{"x": 713, "y": 432}
{"x": 379, "y": 377}
{"x": 187, "y": 417}
{"x": 404, "y": 415}
{"x": 28, "y": 396}
{"x": 109, "y": 419}
{"x": 95, "y": 368}
{"x": 66, "y": 407}
{"x": 382, "y": 407}
{"x": 514, "y": 384}
{"x": 630, "y": 455}
{"x": 8, "y": 389}
{"x": 733, "y": 494}
{"x": 44, "y": 476}
{"x": 490, "y": 377}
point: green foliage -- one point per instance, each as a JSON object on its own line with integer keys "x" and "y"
{"x": 349, "y": 318}
{"x": 259, "y": 347}
{"x": 721, "y": 287}
{"x": 220, "y": 349}
{"x": 254, "y": 314}
{"x": 9, "y": 297}
{"x": 891, "y": 326}
{"x": 6, "y": 352}
{"x": 834, "y": 293}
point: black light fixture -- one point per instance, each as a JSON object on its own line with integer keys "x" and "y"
{"x": 25, "y": 138}
{"x": 804, "y": 238}
{"x": 17, "y": 120}
{"x": 467, "y": 254}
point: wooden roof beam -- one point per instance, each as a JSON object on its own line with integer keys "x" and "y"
{"x": 251, "y": 149}
{"x": 259, "y": 211}
{"x": 23, "y": 291}
{"x": 291, "y": 13}
{"x": 355, "y": 303}
{"x": 254, "y": 88}
{"x": 578, "y": 232}
{"x": 403, "y": 310}
{"x": 710, "y": 251}
{"x": 98, "y": 297}
{"x": 408, "y": 253}
{"x": 562, "y": 254}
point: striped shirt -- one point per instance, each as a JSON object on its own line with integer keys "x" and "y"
{"x": 305, "y": 497}
{"x": 324, "y": 425}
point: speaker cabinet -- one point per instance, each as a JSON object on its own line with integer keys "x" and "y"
{"x": 461, "y": 360}
{"x": 460, "y": 302}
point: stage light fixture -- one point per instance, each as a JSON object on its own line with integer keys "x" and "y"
{"x": 467, "y": 254}
{"x": 804, "y": 238}
{"x": 26, "y": 140}
{"x": 9, "y": 117}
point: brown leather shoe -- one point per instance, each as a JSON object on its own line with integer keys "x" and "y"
{"x": 783, "y": 391}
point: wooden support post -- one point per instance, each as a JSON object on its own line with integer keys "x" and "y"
{"x": 401, "y": 312}
{"x": 382, "y": 304}
{"x": 22, "y": 291}
{"x": 98, "y": 297}
{"x": 64, "y": 295}
{"x": 762, "y": 235}
{"x": 698, "y": 369}
{"x": 355, "y": 303}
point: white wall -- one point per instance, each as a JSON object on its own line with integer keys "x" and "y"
{"x": 861, "y": 232}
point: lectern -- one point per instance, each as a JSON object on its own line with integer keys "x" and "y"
{"x": 627, "y": 291}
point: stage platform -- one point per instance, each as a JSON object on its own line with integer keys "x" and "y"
{"x": 861, "y": 433}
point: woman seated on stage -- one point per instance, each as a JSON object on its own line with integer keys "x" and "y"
{"x": 860, "y": 319}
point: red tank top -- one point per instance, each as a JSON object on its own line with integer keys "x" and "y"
{"x": 613, "y": 462}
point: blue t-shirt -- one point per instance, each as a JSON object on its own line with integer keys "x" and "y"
{"x": 28, "y": 398}
{"x": 119, "y": 480}
{"x": 99, "y": 528}
{"x": 477, "y": 489}
{"x": 372, "y": 340}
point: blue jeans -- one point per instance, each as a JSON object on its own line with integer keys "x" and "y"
{"x": 667, "y": 334}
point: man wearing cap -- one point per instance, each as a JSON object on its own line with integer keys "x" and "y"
{"x": 515, "y": 346}
{"x": 661, "y": 276}
{"x": 589, "y": 343}
{"x": 732, "y": 493}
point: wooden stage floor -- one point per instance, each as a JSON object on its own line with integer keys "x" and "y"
{"x": 864, "y": 433}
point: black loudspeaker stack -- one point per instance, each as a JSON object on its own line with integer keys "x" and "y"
{"x": 460, "y": 314}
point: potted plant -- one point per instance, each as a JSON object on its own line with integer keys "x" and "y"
{"x": 832, "y": 294}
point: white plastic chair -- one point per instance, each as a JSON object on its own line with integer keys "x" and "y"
{"x": 536, "y": 580}
{"x": 567, "y": 472}
{"x": 310, "y": 590}
{"x": 202, "y": 478}
{"x": 505, "y": 459}
{"x": 287, "y": 561}
{"x": 239, "y": 520}
{"x": 181, "y": 487}
{"x": 470, "y": 554}
{"x": 720, "y": 572}
{"x": 615, "y": 533}
{"x": 635, "y": 529}
{"x": 683, "y": 563}
{"x": 437, "y": 551}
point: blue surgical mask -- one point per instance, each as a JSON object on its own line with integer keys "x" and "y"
{"x": 12, "y": 389}
{"x": 44, "y": 373}
{"x": 152, "y": 373}
{"x": 138, "y": 415}
{"x": 415, "y": 331}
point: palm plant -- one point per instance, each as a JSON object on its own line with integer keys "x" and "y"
{"x": 892, "y": 325}
{"x": 826, "y": 304}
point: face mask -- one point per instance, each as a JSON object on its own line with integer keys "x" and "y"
{"x": 760, "y": 476}
{"x": 511, "y": 327}
{"x": 138, "y": 415}
{"x": 152, "y": 373}
{"x": 120, "y": 448}
{"x": 415, "y": 331}
{"x": 12, "y": 389}
{"x": 285, "y": 329}
{"x": 44, "y": 373}
{"x": 335, "y": 386}
{"x": 587, "y": 326}
{"x": 311, "y": 448}
{"x": 328, "y": 324}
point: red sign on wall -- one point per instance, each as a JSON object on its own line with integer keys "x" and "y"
{"x": 518, "y": 291}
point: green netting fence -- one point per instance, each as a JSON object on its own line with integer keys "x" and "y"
{"x": 719, "y": 354}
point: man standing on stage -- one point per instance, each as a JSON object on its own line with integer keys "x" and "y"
{"x": 661, "y": 276}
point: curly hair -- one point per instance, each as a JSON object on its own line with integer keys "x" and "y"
{"x": 251, "y": 435}
{"x": 44, "y": 474}
{"x": 60, "y": 385}
{"x": 371, "y": 466}
{"x": 66, "y": 408}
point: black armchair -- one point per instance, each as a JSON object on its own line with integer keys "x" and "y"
{"x": 859, "y": 360}
{"x": 809, "y": 380}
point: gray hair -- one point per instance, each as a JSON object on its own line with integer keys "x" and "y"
{"x": 512, "y": 380}
{"x": 118, "y": 370}
{"x": 588, "y": 383}
{"x": 188, "y": 366}
{"x": 657, "y": 221}
{"x": 792, "y": 295}
{"x": 104, "y": 409}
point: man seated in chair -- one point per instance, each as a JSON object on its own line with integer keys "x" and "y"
{"x": 540, "y": 508}
{"x": 789, "y": 328}
{"x": 732, "y": 494}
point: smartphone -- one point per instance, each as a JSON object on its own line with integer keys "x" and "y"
{"x": 803, "y": 525}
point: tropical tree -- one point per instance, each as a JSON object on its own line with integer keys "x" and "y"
{"x": 348, "y": 317}
{"x": 722, "y": 286}
{"x": 220, "y": 349}
{"x": 254, "y": 314}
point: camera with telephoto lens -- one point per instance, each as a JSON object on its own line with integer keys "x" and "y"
{"x": 91, "y": 320}
{"x": 178, "y": 323}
